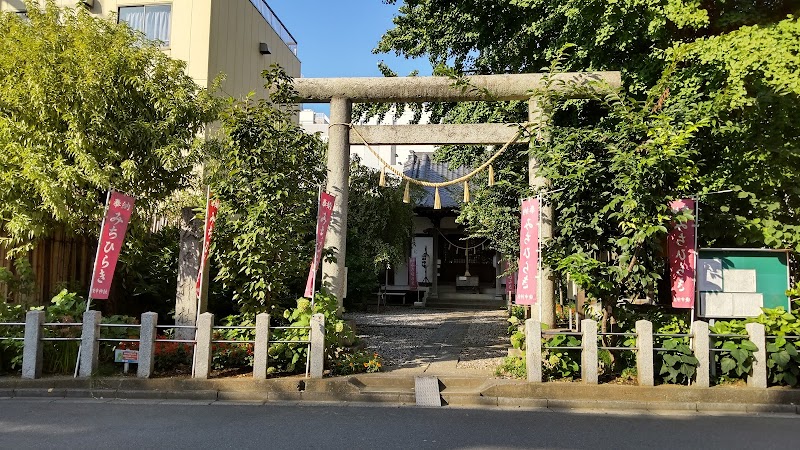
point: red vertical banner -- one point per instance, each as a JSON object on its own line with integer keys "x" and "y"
{"x": 528, "y": 283}
{"x": 681, "y": 252}
{"x": 112, "y": 235}
{"x": 511, "y": 280}
{"x": 212, "y": 207}
{"x": 412, "y": 274}
{"x": 325, "y": 210}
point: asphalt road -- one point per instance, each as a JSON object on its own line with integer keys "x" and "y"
{"x": 88, "y": 424}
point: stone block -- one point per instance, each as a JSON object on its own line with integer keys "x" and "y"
{"x": 317, "y": 354}
{"x": 700, "y": 346}
{"x": 147, "y": 345}
{"x": 672, "y": 406}
{"x": 589, "y": 362}
{"x": 511, "y": 402}
{"x": 758, "y": 374}
{"x": 644, "y": 354}
{"x": 32, "y": 353}
{"x": 533, "y": 350}
{"x": 90, "y": 346}
{"x": 771, "y": 408}
{"x": 238, "y": 396}
{"x": 261, "y": 347}
{"x": 202, "y": 348}
{"x": 125, "y": 394}
{"x": 721, "y": 407}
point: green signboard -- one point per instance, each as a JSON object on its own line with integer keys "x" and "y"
{"x": 739, "y": 282}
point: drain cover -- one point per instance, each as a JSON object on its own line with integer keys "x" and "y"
{"x": 427, "y": 391}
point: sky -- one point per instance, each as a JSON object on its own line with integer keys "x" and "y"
{"x": 335, "y": 38}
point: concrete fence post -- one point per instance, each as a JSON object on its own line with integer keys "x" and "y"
{"x": 644, "y": 354}
{"x": 701, "y": 346}
{"x": 33, "y": 350}
{"x": 261, "y": 347}
{"x": 90, "y": 346}
{"x": 147, "y": 345}
{"x": 202, "y": 346}
{"x": 533, "y": 350}
{"x": 317, "y": 353}
{"x": 589, "y": 351}
{"x": 758, "y": 374}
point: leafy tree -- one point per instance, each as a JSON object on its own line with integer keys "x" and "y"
{"x": 517, "y": 36}
{"x": 709, "y": 93}
{"x": 378, "y": 229}
{"x": 615, "y": 177}
{"x": 147, "y": 277}
{"x": 266, "y": 174}
{"x": 86, "y": 103}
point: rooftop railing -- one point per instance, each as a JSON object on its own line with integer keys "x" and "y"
{"x": 276, "y": 24}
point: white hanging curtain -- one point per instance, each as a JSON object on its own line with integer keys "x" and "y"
{"x": 133, "y": 16}
{"x": 158, "y": 23}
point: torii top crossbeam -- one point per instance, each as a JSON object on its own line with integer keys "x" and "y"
{"x": 442, "y": 89}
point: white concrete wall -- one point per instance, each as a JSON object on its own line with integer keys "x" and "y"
{"x": 237, "y": 28}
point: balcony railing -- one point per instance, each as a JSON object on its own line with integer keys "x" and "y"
{"x": 276, "y": 24}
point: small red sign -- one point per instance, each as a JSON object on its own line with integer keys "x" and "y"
{"x": 211, "y": 221}
{"x": 511, "y": 280}
{"x": 325, "y": 211}
{"x": 528, "y": 282}
{"x": 112, "y": 235}
{"x": 681, "y": 252}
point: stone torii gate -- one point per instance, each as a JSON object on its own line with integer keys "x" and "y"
{"x": 341, "y": 93}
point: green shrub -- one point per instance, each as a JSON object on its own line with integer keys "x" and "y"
{"x": 356, "y": 362}
{"x": 11, "y": 350}
{"x": 172, "y": 357}
{"x": 678, "y": 363}
{"x": 516, "y": 327}
{"x": 513, "y": 366}
{"x": 734, "y": 360}
{"x": 561, "y": 363}
{"x": 234, "y": 356}
{"x": 339, "y": 337}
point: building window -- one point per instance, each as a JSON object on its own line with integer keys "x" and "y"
{"x": 154, "y": 21}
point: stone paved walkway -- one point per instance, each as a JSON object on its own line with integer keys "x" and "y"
{"x": 435, "y": 342}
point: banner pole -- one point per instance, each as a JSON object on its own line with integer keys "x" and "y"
{"x": 91, "y": 284}
{"x": 539, "y": 259}
{"x": 200, "y": 274}
{"x": 314, "y": 278}
{"x": 316, "y": 236}
{"x": 696, "y": 241}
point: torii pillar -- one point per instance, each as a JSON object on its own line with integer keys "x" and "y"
{"x": 338, "y": 161}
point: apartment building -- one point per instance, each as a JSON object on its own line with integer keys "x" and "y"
{"x": 238, "y": 38}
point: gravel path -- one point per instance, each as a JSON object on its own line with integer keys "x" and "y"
{"x": 400, "y": 334}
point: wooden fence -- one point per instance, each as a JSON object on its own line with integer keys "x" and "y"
{"x": 59, "y": 261}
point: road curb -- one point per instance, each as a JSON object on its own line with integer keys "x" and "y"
{"x": 398, "y": 391}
